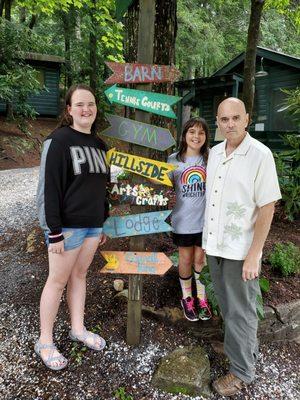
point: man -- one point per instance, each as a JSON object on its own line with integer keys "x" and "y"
{"x": 242, "y": 188}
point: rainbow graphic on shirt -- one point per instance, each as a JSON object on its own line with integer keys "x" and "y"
{"x": 193, "y": 181}
{"x": 193, "y": 174}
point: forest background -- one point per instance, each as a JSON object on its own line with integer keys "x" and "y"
{"x": 202, "y": 37}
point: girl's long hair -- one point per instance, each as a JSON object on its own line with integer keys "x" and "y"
{"x": 67, "y": 119}
{"x": 196, "y": 121}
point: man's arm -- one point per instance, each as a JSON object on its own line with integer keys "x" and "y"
{"x": 261, "y": 230}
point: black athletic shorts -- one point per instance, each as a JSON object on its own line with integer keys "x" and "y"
{"x": 187, "y": 240}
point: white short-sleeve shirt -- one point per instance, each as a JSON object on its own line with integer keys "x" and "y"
{"x": 237, "y": 186}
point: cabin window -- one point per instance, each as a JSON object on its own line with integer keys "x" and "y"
{"x": 40, "y": 77}
{"x": 280, "y": 120}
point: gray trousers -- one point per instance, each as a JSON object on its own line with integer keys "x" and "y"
{"x": 237, "y": 302}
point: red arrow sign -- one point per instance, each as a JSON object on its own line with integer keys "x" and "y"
{"x": 141, "y": 73}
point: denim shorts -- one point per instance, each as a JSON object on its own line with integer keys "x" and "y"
{"x": 74, "y": 237}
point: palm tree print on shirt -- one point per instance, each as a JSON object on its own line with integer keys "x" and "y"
{"x": 238, "y": 211}
{"x": 234, "y": 231}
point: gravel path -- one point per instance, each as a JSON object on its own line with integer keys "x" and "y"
{"x": 22, "y": 375}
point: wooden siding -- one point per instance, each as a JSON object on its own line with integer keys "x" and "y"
{"x": 47, "y": 102}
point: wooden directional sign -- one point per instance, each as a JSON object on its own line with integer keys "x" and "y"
{"x": 139, "y": 194}
{"x": 137, "y": 224}
{"x": 156, "y": 103}
{"x": 121, "y": 7}
{"x": 139, "y": 133}
{"x": 141, "y": 73}
{"x": 156, "y": 170}
{"x": 129, "y": 262}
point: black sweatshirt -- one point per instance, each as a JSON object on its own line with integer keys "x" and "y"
{"x": 72, "y": 183}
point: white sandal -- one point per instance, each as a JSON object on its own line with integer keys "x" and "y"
{"x": 84, "y": 338}
{"x": 50, "y": 359}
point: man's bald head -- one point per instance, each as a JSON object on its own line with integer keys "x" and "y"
{"x": 232, "y": 119}
{"x": 232, "y": 101}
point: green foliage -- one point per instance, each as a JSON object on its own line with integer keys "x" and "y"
{"x": 17, "y": 80}
{"x": 264, "y": 284}
{"x": 286, "y": 258}
{"x": 122, "y": 395}
{"x": 260, "y": 307}
{"x": 77, "y": 352}
{"x": 209, "y": 288}
{"x": 288, "y": 168}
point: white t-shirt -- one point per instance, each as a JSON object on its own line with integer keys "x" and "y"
{"x": 189, "y": 179}
{"x": 237, "y": 186}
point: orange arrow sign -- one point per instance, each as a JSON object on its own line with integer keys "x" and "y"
{"x": 130, "y": 262}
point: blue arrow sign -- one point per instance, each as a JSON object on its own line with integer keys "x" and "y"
{"x": 139, "y": 133}
{"x": 137, "y": 224}
{"x": 156, "y": 103}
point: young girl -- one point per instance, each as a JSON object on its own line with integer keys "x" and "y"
{"x": 71, "y": 202}
{"x": 188, "y": 214}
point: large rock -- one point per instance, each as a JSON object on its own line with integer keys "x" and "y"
{"x": 281, "y": 323}
{"x": 186, "y": 370}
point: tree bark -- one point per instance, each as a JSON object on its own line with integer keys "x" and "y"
{"x": 32, "y": 22}
{"x": 65, "y": 17}
{"x": 2, "y": 2}
{"x": 93, "y": 49}
{"x": 250, "y": 56}
{"x": 22, "y": 15}
{"x": 8, "y": 4}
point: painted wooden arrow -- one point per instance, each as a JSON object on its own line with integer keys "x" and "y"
{"x": 129, "y": 262}
{"x": 141, "y": 73}
{"x": 139, "y": 133}
{"x": 137, "y": 224}
{"x": 121, "y": 7}
{"x": 156, "y": 103}
{"x": 152, "y": 169}
{"x": 138, "y": 194}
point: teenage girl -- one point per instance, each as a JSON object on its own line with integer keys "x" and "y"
{"x": 71, "y": 202}
{"x": 188, "y": 214}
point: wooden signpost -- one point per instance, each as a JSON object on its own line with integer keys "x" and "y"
{"x": 156, "y": 103}
{"x": 138, "y": 194}
{"x": 152, "y": 169}
{"x": 137, "y": 224}
{"x": 141, "y": 73}
{"x": 139, "y": 133}
{"x": 129, "y": 262}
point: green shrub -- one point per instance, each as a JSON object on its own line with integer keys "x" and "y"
{"x": 286, "y": 258}
{"x": 288, "y": 168}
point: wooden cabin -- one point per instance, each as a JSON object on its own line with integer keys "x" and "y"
{"x": 47, "y": 67}
{"x": 274, "y": 71}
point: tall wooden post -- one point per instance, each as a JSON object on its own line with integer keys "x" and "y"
{"x": 137, "y": 243}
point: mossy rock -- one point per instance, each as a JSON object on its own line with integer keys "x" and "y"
{"x": 186, "y": 370}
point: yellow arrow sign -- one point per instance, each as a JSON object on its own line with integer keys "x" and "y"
{"x": 112, "y": 261}
{"x": 152, "y": 169}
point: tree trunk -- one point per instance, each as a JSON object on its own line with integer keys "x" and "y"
{"x": 8, "y": 4}
{"x": 65, "y": 17}
{"x": 2, "y": 2}
{"x": 32, "y": 22}
{"x": 22, "y": 15}
{"x": 250, "y": 56}
{"x": 93, "y": 49}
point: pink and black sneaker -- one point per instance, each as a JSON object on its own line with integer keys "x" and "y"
{"x": 204, "y": 312}
{"x": 189, "y": 309}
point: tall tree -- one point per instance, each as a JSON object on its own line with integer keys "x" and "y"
{"x": 250, "y": 56}
{"x": 93, "y": 47}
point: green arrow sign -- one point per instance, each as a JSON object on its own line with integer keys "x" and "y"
{"x": 156, "y": 103}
